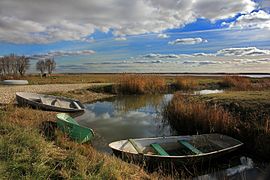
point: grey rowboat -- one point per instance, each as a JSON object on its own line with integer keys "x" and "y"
{"x": 48, "y": 102}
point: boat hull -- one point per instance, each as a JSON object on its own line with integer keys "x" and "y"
{"x": 125, "y": 150}
{"x": 38, "y": 105}
{"x": 76, "y": 132}
{"x": 141, "y": 159}
{"x": 14, "y": 82}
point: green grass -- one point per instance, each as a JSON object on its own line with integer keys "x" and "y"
{"x": 252, "y": 100}
{"x": 26, "y": 153}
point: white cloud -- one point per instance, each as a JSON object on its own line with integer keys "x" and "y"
{"x": 252, "y": 61}
{"x": 260, "y": 20}
{"x": 247, "y": 51}
{"x": 163, "y": 36}
{"x": 187, "y": 41}
{"x": 164, "y": 56}
{"x": 63, "y": 53}
{"x": 176, "y": 56}
{"x": 203, "y": 54}
{"x": 120, "y": 38}
{"x": 29, "y": 21}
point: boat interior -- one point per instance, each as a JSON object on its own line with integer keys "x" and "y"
{"x": 57, "y": 102}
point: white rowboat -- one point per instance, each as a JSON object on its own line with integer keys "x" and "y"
{"x": 176, "y": 148}
{"x": 15, "y": 82}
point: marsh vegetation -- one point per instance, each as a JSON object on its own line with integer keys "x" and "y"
{"x": 29, "y": 150}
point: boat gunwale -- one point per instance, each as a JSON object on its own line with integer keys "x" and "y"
{"x": 184, "y": 156}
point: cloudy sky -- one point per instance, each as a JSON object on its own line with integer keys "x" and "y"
{"x": 140, "y": 35}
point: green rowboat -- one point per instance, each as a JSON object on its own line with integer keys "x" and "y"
{"x": 75, "y": 131}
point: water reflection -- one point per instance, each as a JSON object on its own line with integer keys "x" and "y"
{"x": 125, "y": 117}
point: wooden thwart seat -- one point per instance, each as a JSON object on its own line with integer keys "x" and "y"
{"x": 190, "y": 147}
{"x": 45, "y": 101}
{"x": 76, "y": 105}
{"x": 159, "y": 149}
{"x": 136, "y": 147}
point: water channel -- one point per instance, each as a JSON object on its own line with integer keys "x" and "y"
{"x": 130, "y": 116}
{"x": 124, "y": 117}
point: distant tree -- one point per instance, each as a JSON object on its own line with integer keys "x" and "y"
{"x": 41, "y": 66}
{"x": 50, "y": 65}
{"x": 22, "y": 64}
{"x": 1, "y": 66}
{"x": 12, "y": 65}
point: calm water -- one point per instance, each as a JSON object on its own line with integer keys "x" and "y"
{"x": 125, "y": 117}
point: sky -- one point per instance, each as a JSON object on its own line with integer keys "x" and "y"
{"x": 196, "y": 36}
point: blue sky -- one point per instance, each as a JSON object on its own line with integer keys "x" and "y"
{"x": 140, "y": 35}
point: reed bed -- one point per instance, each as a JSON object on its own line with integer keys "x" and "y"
{"x": 244, "y": 83}
{"x": 187, "y": 116}
{"x": 185, "y": 83}
{"x": 141, "y": 84}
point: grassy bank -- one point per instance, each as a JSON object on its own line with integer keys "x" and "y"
{"x": 71, "y": 78}
{"x": 197, "y": 115}
{"x": 244, "y": 103}
{"x": 27, "y": 151}
{"x": 85, "y": 95}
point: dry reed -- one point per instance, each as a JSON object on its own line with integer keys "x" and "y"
{"x": 141, "y": 84}
{"x": 185, "y": 83}
{"x": 189, "y": 117}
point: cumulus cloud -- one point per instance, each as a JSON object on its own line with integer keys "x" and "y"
{"x": 175, "y": 56}
{"x": 187, "y": 41}
{"x": 203, "y": 54}
{"x": 252, "y": 61}
{"x": 168, "y": 56}
{"x": 120, "y": 38}
{"x": 260, "y": 20}
{"x": 163, "y": 36}
{"x": 247, "y": 51}
{"x": 63, "y": 53}
{"x": 29, "y": 21}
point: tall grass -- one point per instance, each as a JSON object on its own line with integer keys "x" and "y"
{"x": 189, "y": 117}
{"x": 141, "y": 84}
{"x": 244, "y": 83}
{"x": 185, "y": 83}
{"x": 236, "y": 82}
